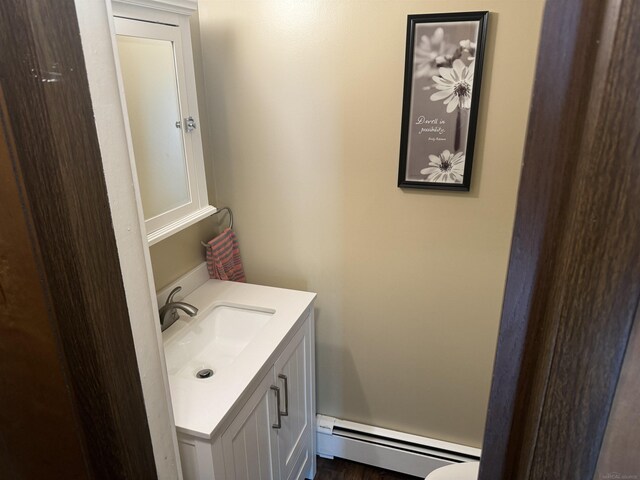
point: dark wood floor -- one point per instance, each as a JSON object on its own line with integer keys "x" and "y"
{"x": 339, "y": 469}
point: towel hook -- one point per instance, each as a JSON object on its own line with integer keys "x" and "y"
{"x": 229, "y": 212}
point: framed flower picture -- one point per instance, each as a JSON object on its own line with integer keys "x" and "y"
{"x": 443, "y": 70}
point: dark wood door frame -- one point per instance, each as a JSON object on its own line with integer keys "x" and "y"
{"x": 572, "y": 290}
{"x": 71, "y": 400}
{"x": 573, "y": 283}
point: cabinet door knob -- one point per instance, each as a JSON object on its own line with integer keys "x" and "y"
{"x": 283, "y": 377}
{"x": 190, "y": 124}
{"x": 278, "y": 424}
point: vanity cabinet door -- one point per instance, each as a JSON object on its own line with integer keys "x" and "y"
{"x": 293, "y": 372}
{"x": 249, "y": 445}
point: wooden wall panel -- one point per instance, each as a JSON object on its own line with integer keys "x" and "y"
{"x": 574, "y": 276}
{"x": 619, "y": 453}
{"x": 58, "y": 168}
{"x": 37, "y": 412}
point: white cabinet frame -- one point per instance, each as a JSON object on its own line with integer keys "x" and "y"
{"x": 169, "y": 20}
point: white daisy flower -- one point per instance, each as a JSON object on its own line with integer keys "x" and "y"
{"x": 454, "y": 85}
{"x": 426, "y": 52}
{"x": 445, "y": 168}
{"x": 469, "y": 47}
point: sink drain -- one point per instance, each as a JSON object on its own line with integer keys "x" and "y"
{"x": 204, "y": 373}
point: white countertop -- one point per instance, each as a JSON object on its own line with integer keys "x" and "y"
{"x": 201, "y": 408}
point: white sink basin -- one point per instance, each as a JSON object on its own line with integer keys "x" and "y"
{"x": 212, "y": 339}
{"x": 236, "y": 333}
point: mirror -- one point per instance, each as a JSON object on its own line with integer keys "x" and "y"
{"x": 158, "y": 87}
{"x": 151, "y": 91}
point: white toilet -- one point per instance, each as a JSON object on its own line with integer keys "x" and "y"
{"x": 458, "y": 471}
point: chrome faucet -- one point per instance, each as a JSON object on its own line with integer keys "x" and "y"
{"x": 169, "y": 311}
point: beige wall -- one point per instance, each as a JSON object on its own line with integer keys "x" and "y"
{"x": 304, "y": 102}
{"x": 173, "y": 257}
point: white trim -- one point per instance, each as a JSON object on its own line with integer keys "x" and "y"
{"x": 389, "y": 449}
{"x": 147, "y": 254}
{"x": 189, "y": 282}
{"x": 96, "y": 31}
{"x": 382, "y": 457}
{"x": 180, "y": 224}
{"x": 406, "y": 437}
{"x": 313, "y": 468}
{"x": 183, "y": 7}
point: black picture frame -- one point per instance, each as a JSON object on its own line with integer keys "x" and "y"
{"x": 439, "y": 115}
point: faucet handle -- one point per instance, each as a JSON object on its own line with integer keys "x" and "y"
{"x": 172, "y": 294}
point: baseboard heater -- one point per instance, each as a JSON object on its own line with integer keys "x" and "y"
{"x": 383, "y": 448}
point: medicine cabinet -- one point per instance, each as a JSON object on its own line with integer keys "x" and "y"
{"x": 157, "y": 78}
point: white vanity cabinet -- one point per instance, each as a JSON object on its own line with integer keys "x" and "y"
{"x": 271, "y": 437}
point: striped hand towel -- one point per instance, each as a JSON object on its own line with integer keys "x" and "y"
{"x": 223, "y": 258}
